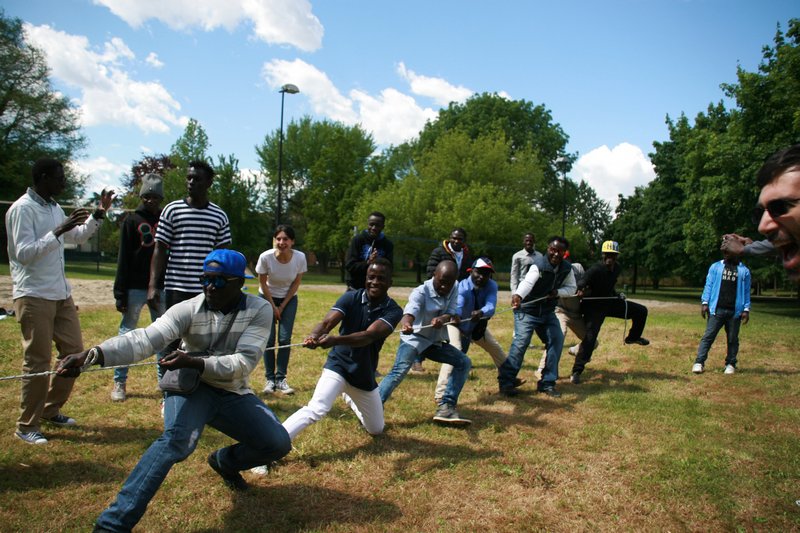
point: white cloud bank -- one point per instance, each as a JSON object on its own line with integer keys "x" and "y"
{"x": 102, "y": 174}
{"x": 289, "y": 22}
{"x": 108, "y": 95}
{"x": 391, "y": 116}
{"x": 614, "y": 171}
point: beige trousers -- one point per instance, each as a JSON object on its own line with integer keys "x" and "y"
{"x": 42, "y": 322}
{"x": 488, "y": 343}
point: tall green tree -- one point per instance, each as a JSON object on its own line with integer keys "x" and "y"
{"x": 460, "y": 181}
{"x": 325, "y": 173}
{"x": 35, "y": 120}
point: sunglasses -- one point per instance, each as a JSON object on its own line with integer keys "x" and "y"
{"x": 776, "y": 208}
{"x": 218, "y": 282}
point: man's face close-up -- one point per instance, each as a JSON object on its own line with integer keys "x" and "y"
{"x": 374, "y": 226}
{"x": 555, "y": 252}
{"x": 528, "y": 243}
{"x": 609, "y": 260}
{"x": 378, "y": 282}
{"x": 780, "y": 221}
{"x": 480, "y": 276}
{"x": 457, "y": 240}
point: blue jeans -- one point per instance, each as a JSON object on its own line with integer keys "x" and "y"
{"x": 243, "y": 417}
{"x": 444, "y": 353}
{"x": 284, "y": 327}
{"x": 137, "y": 299}
{"x": 549, "y": 329}
{"x": 722, "y": 318}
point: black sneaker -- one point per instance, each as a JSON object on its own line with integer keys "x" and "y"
{"x": 508, "y": 391}
{"x": 550, "y": 391}
{"x": 446, "y": 414}
{"x": 519, "y": 382}
{"x": 575, "y": 378}
{"x": 60, "y": 420}
{"x": 641, "y": 340}
{"x": 234, "y": 480}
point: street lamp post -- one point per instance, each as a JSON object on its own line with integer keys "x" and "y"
{"x": 562, "y": 163}
{"x": 291, "y": 89}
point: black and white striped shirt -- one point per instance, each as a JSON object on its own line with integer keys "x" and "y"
{"x": 191, "y": 234}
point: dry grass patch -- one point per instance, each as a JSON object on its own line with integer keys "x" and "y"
{"x": 641, "y": 445}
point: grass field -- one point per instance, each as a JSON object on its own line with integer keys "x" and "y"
{"x": 642, "y": 445}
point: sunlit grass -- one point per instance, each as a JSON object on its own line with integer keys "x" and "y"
{"x": 643, "y": 444}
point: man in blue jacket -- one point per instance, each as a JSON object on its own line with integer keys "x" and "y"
{"x": 726, "y": 303}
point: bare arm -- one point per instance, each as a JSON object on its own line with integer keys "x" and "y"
{"x": 158, "y": 266}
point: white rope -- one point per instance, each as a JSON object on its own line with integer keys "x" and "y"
{"x": 100, "y": 368}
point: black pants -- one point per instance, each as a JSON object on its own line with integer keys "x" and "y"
{"x": 595, "y": 313}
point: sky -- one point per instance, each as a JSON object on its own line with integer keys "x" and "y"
{"x": 610, "y": 72}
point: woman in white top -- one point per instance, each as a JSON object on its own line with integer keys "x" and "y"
{"x": 280, "y": 270}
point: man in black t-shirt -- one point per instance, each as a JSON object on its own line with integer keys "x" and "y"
{"x": 725, "y": 303}
{"x": 600, "y": 299}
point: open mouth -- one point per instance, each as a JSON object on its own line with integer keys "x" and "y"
{"x": 790, "y": 253}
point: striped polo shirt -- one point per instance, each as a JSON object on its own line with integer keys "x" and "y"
{"x": 191, "y": 234}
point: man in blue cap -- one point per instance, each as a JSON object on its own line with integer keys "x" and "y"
{"x": 230, "y": 329}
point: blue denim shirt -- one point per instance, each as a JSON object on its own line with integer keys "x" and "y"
{"x": 424, "y": 304}
{"x": 713, "y": 282}
{"x": 471, "y": 298}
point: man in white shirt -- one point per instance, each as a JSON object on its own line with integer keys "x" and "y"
{"x": 37, "y": 229}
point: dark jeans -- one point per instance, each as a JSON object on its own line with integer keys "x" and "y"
{"x": 595, "y": 312}
{"x": 277, "y": 365}
{"x": 721, "y": 318}
{"x": 260, "y": 438}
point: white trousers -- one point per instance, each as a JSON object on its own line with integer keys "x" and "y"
{"x": 488, "y": 343}
{"x": 365, "y": 404}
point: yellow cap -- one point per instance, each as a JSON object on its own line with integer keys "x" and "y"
{"x": 610, "y": 247}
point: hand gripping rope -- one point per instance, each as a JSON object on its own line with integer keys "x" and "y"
{"x": 452, "y": 322}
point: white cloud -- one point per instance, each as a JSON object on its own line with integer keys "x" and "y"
{"x": 442, "y": 91}
{"x": 108, "y": 94}
{"x": 153, "y": 61}
{"x": 274, "y": 21}
{"x": 102, "y": 173}
{"x": 391, "y": 117}
{"x": 614, "y": 171}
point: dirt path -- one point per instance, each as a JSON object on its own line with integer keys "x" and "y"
{"x": 98, "y": 293}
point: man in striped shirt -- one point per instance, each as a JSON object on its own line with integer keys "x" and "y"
{"x": 231, "y": 329}
{"x": 189, "y": 228}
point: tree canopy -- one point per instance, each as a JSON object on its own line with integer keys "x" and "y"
{"x": 35, "y": 120}
{"x": 705, "y": 184}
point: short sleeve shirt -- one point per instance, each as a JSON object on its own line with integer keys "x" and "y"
{"x": 357, "y": 365}
{"x": 281, "y": 275}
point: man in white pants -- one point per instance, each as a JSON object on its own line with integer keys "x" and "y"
{"x": 367, "y": 317}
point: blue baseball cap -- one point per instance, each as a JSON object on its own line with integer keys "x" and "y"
{"x": 228, "y": 262}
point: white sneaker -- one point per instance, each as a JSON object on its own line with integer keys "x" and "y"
{"x": 697, "y": 368}
{"x": 269, "y": 388}
{"x": 730, "y": 369}
{"x": 573, "y": 351}
{"x": 260, "y": 470}
{"x": 118, "y": 392}
{"x": 283, "y": 387}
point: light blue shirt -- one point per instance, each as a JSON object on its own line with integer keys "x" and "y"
{"x": 471, "y": 298}
{"x": 424, "y": 304}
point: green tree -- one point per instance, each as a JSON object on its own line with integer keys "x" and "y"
{"x": 460, "y": 181}
{"x": 325, "y": 174}
{"x": 35, "y": 120}
{"x": 242, "y": 199}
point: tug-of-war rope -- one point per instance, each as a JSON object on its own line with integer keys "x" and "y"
{"x": 399, "y": 330}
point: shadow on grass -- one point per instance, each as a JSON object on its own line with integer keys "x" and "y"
{"x": 306, "y": 508}
{"x": 108, "y": 435}
{"x": 58, "y": 475}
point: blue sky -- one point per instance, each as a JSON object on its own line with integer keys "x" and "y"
{"x": 609, "y": 71}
